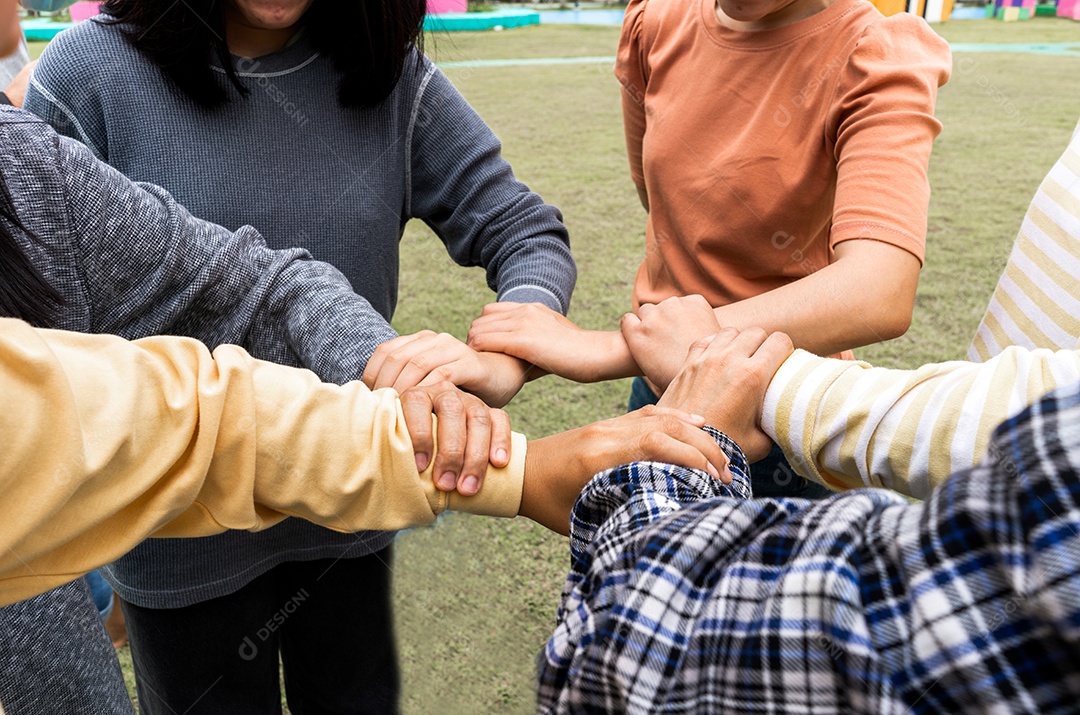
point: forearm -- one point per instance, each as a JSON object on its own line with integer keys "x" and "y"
{"x": 311, "y": 308}
{"x": 610, "y": 359}
{"x": 848, "y": 425}
{"x": 111, "y": 442}
{"x": 865, "y": 296}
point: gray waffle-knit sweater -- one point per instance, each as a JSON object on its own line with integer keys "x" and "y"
{"x": 341, "y": 183}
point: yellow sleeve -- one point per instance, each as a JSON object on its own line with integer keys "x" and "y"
{"x": 847, "y": 425}
{"x": 107, "y": 442}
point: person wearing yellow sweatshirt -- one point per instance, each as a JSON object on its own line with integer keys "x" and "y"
{"x": 108, "y": 442}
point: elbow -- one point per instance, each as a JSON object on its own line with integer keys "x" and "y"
{"x": 894, "y": 319}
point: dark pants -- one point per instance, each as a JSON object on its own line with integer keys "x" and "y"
{"x": 330, "y": 621}
{"x": 769, "y": 477}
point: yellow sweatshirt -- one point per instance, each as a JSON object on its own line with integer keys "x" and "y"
{"x": 107, "y": 442}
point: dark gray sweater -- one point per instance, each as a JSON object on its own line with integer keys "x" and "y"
{"x": 341, "y": 183}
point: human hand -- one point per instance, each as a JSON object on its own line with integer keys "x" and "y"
{"x": 558, "y": 467}
{"x": 470, "y": 434}
{"x": 427, "y": 358}
{"x": 659, "y": 336}
{"x": 725, "y": 378}
{"x": 551, "y": 342}
{"x": 16, "y": 91}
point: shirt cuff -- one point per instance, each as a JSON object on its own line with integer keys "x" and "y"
{"x": 500, "y": 494}
{"x": 791, "y": 409}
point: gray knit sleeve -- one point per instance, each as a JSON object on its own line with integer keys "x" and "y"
{"x": 462, "y": 187}
{"x": 149, "y": 267}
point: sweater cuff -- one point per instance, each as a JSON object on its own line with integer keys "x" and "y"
{"x": 791, "y": 409}
{"x": 532, "y": 294}
{"x": 500, "y": 494}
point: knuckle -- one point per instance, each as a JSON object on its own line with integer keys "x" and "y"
{"x": 669, "y": 424}
{"x": 650, "y": 442}
{"x": 449, "y": 404}
{"x": 479, "y": 413}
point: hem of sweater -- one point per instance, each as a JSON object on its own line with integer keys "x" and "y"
{"x": 164, "y": 598}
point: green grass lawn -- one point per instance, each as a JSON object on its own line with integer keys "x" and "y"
{"x": 476, "y": 598}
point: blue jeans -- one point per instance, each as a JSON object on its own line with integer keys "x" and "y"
{"x": 102, "y": 593}
{"x": 769, "y": 477}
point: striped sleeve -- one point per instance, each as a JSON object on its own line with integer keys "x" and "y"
{"x": 848, "y": 425}
{"x": 1036, "y": 303}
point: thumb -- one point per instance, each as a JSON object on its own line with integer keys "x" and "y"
{"x": 698, "y": 347}
{"x": 629, "y": 324}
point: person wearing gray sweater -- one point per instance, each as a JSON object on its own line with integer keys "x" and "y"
{"x": 127, "y": 259}
{"x": 284, "y": 147}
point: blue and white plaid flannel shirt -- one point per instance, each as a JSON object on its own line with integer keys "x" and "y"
{"x": 686, "y": 596}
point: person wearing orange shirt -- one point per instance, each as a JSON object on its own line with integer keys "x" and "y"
{"x": 780, "y": 148}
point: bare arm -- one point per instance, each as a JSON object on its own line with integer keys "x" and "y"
{"x": 865, "y": 296}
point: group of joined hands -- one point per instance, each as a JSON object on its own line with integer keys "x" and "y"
{"x": 708, "y": 375}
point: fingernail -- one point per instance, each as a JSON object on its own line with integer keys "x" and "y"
{"x": 469, "y": 486}
{"x": 712, "y": 470}
{"x": 422, "y": 461}
{"x": 726, "y": 476}
{"x": 447, "y": 481}
{"x": 697, "y": 418}
{"x": 500, "y": 456}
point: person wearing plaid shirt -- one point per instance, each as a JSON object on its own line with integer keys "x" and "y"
{"x": 687, "y": 595}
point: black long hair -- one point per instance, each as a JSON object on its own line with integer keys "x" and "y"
{"x": 24, "y": 292}
{"x": 369, "y": 41}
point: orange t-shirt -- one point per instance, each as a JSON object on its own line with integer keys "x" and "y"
{"x": 760, "y": 151}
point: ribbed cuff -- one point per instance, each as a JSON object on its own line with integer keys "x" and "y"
{"x": 532, "y": 294}
{"x": 500, "y": 494}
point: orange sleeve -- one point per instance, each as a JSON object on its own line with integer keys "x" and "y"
{"x": 631, "y": 70}
{"x": 883, "y": 121}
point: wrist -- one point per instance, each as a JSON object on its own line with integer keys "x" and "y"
{"x": 613, "y": 358}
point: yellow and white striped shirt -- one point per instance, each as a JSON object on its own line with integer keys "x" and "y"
{"x": 1036, "y": 303}
{"x": 850, "y": 425}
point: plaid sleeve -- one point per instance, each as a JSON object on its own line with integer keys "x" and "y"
{"x": 688, "y": 600}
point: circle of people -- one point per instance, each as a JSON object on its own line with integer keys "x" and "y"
{"x": 740, "y": 538}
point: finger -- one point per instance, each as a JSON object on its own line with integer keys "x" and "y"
{"x": 374, "y": 363}
{"x": 630, "y": 325}
{"x": 500, "y": 438}
{"x": 688, "y": 417}
{"x": 699, "y": 439}
{"x": 683, "y": 450}
{"x": 698, "y": 348}
{"x": 515, "y": 343}
{"x": 499, "y": 322}
{"x": 774, "y": 351}
{"x": 745, "y": 344}
{"x": 768, "y": 358}
{"x": 452, "y": 430}
{"x": 477, "y": 447}
{"x": 416, "y": 406}
{"x": 441, "y": 351}
{"x": 494, "y": 308}
{"x": 396, "y": 360}
{"x": 645, "y": 309}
